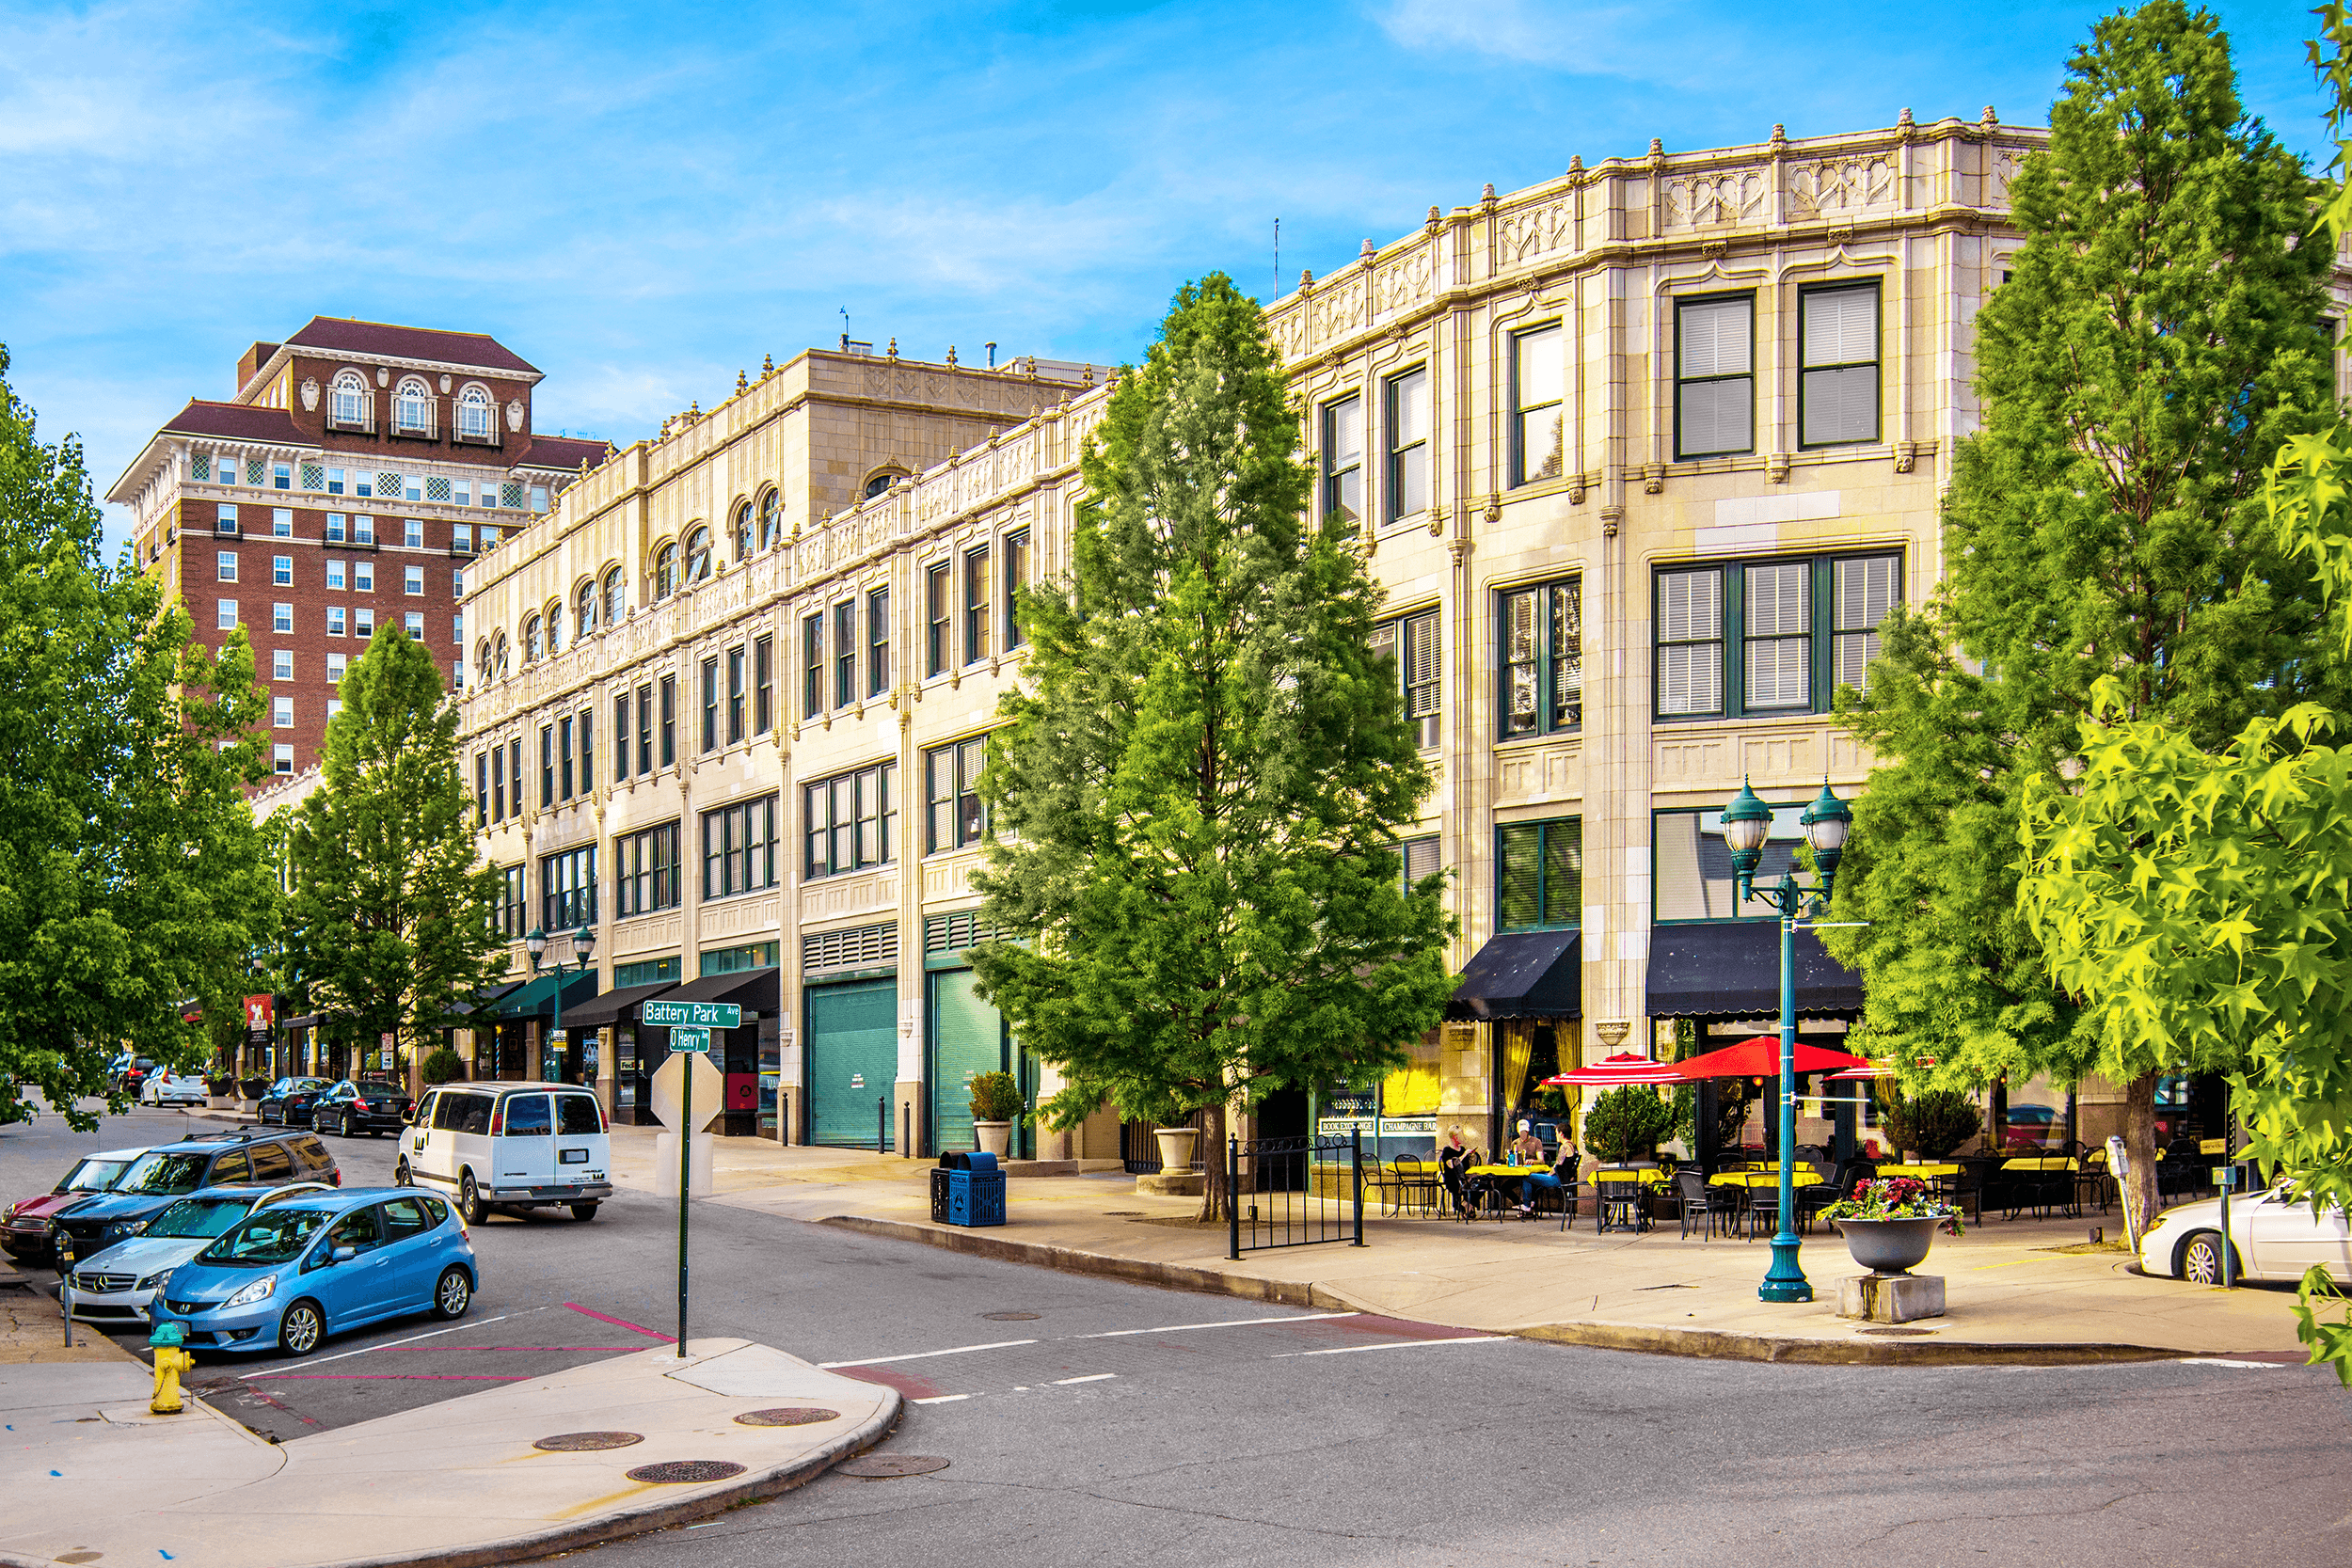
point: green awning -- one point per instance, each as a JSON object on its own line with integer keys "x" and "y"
{"x": 537, "y": 998}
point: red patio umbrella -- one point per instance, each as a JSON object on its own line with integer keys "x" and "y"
{"x": 1612, "y": 1071}
{"x": 1759, "y": 1058}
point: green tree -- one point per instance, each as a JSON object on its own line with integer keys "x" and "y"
{"x": 2158, "y": 336}
{"x": 1196, "y": 794}
{"x": 2196, "y": 896}
{"x": 132, "y": 877}
{"x": 389, "y": 922}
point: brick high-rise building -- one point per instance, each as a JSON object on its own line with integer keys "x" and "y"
{"x": 347, "y": 485}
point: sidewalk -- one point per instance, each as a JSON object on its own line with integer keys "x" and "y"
{"x": 91, "y": 1477}
{"x": 2011, "y": 1295}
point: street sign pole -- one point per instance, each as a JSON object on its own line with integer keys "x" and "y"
{"x": 685, "y": 1147}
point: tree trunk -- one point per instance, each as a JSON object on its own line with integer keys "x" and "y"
{"x": 2139, "y": 1150}
{"x": 1214, "y": 1198}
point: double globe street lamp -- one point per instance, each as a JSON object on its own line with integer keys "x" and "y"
{"x": 583, "y": 944}
{"x": 1747, "y": 823}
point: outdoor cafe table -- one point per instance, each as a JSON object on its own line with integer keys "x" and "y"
{"x": 1623, "y": 1208}
{"x": 1495, "y": 1176}
{"x": 1921, "y": 1173}
{"x": 1764, "y": 1179}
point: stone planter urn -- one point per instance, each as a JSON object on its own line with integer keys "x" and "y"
{"x": 1176, "y": 1146}
{"x": 995, "y": 1139}
{"x": 1889, "y": 1247}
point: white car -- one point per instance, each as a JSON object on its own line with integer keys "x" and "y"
{"x": 115, "y": 1286}
{"x": 166, "y": 1087}
{"x": 509, "y": 1146}
{"x": 2275, "y": 1238}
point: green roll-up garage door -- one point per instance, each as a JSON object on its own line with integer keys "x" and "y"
{"x": 967, "y": 1039}
{"x": 852, "y": 1060}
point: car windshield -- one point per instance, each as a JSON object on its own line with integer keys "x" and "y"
{"x": 164, "y": 1173}
{"x": 199, "y": 1216}
{"x": 381, "y": 1085}
{"x": 93, "y": 1175}
{"x": 272, "y": 1236}
{"x": 302, "y": 1085}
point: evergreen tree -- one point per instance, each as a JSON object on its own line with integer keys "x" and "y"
{"x": 132, "y": 876}
{"x": 389, "y": 922}
{"x": 2159, "y": 339}
{"x": 1197, "y": 795}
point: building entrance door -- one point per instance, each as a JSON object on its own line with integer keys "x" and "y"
{"x": 968, "y": 1039}
{"x": 852, "y": 1062}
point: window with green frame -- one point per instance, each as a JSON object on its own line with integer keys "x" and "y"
{"x": 644, "y": 972}
{"x": 1540, "y": 876}
{"x": 1542, "y": 667}
{"x": 1691, "y": 865}
{"x": 1744, "y": 639}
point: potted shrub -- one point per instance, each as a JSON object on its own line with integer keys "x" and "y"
{"x": 996, "y": 1105}
{"x": 1626, "y": 1123}
{"x": 1931, "y": 1125}
{"x": 443, "y": 1065}
{"x": 1890, "y": 1224}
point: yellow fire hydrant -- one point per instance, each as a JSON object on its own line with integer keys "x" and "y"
{"x": 170, "y": 1361}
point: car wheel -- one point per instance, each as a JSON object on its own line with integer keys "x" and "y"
{"x": 583, "y": 1211}
{"x": 469, "y": 1202}
{"x": 301, "y": 1329}
{"x": 347, "y": 1128}
{"x": 2200, "y": 1258}
{"x": 452, "y": 1293}
{"x": 403, "y": 1175}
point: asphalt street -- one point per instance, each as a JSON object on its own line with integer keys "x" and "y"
{"x": 1085, "y": 1422}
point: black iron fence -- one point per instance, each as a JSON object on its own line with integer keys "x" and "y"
{"x": 1140, "y": 1145}
{"x": 1294, "y": 1192}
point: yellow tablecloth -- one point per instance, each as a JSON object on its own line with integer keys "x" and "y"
{"x": 2043, "y": 1162}
{"x": 1646, "y": 1177}
{"x": 1765, "y": 1178}
{"x": 1918, "y": 1172}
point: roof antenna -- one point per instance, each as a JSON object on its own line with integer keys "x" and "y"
{"x": 1277, "y": 258}
{"x": 845, "y": 329}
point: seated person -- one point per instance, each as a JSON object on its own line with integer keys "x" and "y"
{"x": 1454, "y": 1157}
{"x": 1561, "y": 1178}
{"x": 1527, "y": 1149}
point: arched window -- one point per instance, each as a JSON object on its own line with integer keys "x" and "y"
{"x": 412, "y": 408}
{"x": 555, "y": 628}
{"x": 474, "y": 414}
{"x": 882, "y": 482}
{"x": 770, "y": 519}
{"x": 744, "y": 531}
{"x": 498, "y": 658}
{"x": 665, "y": 572}
{"x": 698, "y": 555}
{"x": 534, "y": 640}
{"x": 615, "y": 596}
{"x": 485, "y": 672}
{"x": 584, "y": 617}
{"x": 347, "y": 401}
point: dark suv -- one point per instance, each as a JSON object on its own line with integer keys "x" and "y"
{"x": 169, "y": 1172}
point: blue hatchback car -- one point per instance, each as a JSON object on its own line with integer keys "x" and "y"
{"x": 294, "y": 1272}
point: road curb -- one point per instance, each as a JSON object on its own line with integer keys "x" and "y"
{"x": 1705, "y": 1344}
{"x": 654, "y": 1515}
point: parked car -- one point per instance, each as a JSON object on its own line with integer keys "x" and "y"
{"x": 127, "y": 1073}
{"x": 288, "y": 1102}
{"x": 29, "y": 1233}
{"x": 290, "y": 1275}
{"x": 198, "y": 1161}
{"x": 510, "y": 1145}
{"x": 2273, "y": 1236}
{"x": 118, "y": 1284}
{"x": 164, "y": 1086}
{"x": 368, "y": 1105}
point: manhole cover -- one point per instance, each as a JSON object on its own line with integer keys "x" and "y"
{"x": 877, "y": 1466}
{"x": 1894, "y": 1331}
{"x": 673, "y": 1471}
{"x": 786, "y": 1415}
{"x": 81, "y": 1557}
{"x": 585, "y": 1442}
{"x": 1009, "y": 1317}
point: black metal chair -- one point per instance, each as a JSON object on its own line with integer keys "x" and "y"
{"x": 1564, "y": 1194}
{"x": 1414, "y": 1184}
{"x": 1704, "y": 1206}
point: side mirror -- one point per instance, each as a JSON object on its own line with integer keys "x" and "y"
{"x": 343, "y": 1254}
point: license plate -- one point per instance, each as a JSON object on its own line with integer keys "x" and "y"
{"x": 583, "y": 1176}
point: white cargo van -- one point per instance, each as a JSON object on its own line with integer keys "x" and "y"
{"x": 510, "y": 1145}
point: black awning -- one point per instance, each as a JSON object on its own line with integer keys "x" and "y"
{"x": 1731, "y": 969}
{"x": 754, "y": 991}
{"x": 1522, "y": 975}
{"x": 613, "y": 1006}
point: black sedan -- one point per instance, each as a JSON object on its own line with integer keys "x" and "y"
{"x": 368, "y": 1105}
{"x": 289, "y": 1101}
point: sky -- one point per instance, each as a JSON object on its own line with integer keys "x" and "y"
{"x": 642, "y": 200}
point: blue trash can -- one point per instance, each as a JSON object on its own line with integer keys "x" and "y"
{"x": 976, "y": 1191}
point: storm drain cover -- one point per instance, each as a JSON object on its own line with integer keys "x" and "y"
{"x": 675, "y": 1471}
{"x": 786, "y": 1415}
{"x": 1894, "y": 1331}
{"x": 1010, "y": 1317}
{"x": 585, "y": 1442}
{"x": 879, "y": 1466}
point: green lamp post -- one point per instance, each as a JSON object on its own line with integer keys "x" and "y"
{"x": 1747, "y": 823}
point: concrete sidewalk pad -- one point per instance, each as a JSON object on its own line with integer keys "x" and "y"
{"x": 87, "y": 1469}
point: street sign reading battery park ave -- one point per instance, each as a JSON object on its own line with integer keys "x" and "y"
{"x": 695, "y": 1015}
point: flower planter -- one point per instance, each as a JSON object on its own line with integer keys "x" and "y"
{"x": 1176, "y": 1146}
{"x": 995, "y": 1137}
{"x": 1889, "y": 1247}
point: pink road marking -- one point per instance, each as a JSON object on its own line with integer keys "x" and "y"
{"x": 434, "y": 1348}
{"x": 621, "y": 1322}
{"x": 413, "y": 1377}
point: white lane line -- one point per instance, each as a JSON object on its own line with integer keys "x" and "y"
{"x": 942, "y": 1399}
{"x": 925, "y": 1355}
{"x": 1398, "y": 1344}
{"x": 1230, "y": 1322}
{"x": 390, "y": 1343}
{"x": 2222, "y": 1361}
{"x": 1092, "y": 1377}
